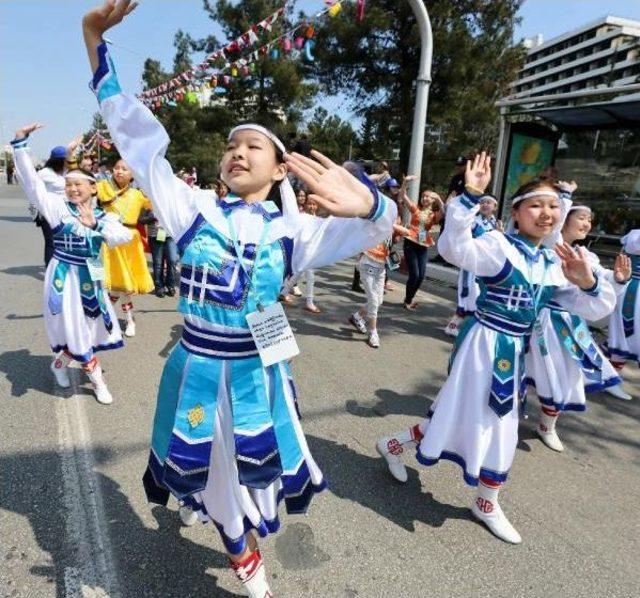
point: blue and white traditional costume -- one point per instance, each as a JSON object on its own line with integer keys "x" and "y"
{"x": 474, "y": 418}
{"x": 468, "y": 288}
{"x": 227, "y": 439}
{"x": 564, "y": 361}
{"x": 78, "y": 316}
{"x": 624, "y": 325}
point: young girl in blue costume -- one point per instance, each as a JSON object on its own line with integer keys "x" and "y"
{"x": 474, "y": 419}
{"x": 624, "y": 325}
{"x": 468, "y": 289}
{"x": 564, "y": 361}
{"x": 227, "y": 440}
{"x": 78, "y": 317}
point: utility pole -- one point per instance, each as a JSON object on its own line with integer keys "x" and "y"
{"x": 423, "y": 81}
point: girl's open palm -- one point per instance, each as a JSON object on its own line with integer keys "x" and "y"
{"x": 575, "y": 265}
{"x": 108, "y": 15}
{"x": 622, "y": 268}
{"x": 331, "y": 186}
{"x": 478, "y": 173}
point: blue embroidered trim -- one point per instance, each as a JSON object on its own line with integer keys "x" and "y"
{"x": 105, "y": 81}
{"x": 593, "y": 291}
{"x": 469, "y": 200}
{"x": 20, "y": 143}
{"x": 500, "y": 276}
{"x": 470, "y": 479}
{"x": 190, "y": 233}
{"x": 85, "y": 357}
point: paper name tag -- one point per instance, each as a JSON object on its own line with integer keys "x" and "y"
{"x": 272, "y": 335}
{"x": 161, "y": 235}
{"x": 422, "y": 237}
{"x": 96, "y": 268}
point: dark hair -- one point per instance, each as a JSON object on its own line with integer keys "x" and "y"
{"x": 274, "y": 192}
{"x": 56, "y": 164}
{"x": 549, "y": 174}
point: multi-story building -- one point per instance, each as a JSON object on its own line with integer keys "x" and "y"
{"x": 603, "y": 53}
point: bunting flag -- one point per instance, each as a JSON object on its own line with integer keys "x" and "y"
{"x": 296, "y": 42}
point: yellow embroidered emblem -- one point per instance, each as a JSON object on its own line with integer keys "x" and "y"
{"x": 195, "y": 416}
{"x": 58, "y": 283}
{"x": 564, "y": 332}
{"x": 580, "y": 335}
{"x": 504, "y": 365}
{"x": 86, "y": 286}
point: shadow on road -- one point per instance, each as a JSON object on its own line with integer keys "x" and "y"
{"x": 149, "y": 562}
{"x": 16, "y": 219}
{"x": 36, "y": 272}
{"x": 366, "y": 481}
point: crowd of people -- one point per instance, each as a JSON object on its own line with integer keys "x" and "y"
{"x": 231, "y": 455}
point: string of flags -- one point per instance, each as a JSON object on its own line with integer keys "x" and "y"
{"x": 97, "y": 139}
{"x": 295, "y": 42}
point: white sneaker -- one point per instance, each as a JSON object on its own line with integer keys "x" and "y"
{"x": 453, "y": 326}
{"x": 618, "y": 392}
{"x": 252, "y": 574}
{"x": 187, "y": 516}
{"x": 374, "y": 339}
{"x": 490, "y": 513}
{"x": 103, "y": 395}
{"x": 130, "y": 330}
{"x": 296, "y": 291}
{"x": 358, "y": 323}
{"x": 61, "y": 374}
{"x": 550, "y": 438}
{"x": 390, "y": 449}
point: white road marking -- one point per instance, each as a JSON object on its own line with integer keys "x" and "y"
{"x": 94, "y": 573}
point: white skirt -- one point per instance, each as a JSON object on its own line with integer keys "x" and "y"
{"x": 234, "y": 508}
{"x": 71, "y": 329}
{"x": 467, "y": 305}
{"x": 558, "y": 379}
{"x": 462, "y": 427}
{"x": 620, "y": 347}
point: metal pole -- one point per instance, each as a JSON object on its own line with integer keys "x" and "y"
{"x": 423, "y": 81}
{"x": 497, "y": 167}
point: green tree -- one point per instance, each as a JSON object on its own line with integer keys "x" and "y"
{"x": 331, "y": 135}
{"x": 278, "y": 91}
{"x": 375, "y": 64}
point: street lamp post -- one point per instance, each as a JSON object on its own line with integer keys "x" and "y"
{"x": 423, "y": 81}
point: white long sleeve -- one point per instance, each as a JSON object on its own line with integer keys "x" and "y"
{"x": 322, "y": 241}
{"x": 113, "y": 231}
{"x": 590, "y": 305}
{"x": 631, "y": 242}
{"x": 142, "y": 142}
{"x": 50, "y": 205}
{"x": 483, "y": 256}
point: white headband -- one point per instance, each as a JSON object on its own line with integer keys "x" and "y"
{"x": 541, "y": 193}
{"x": 489, "y": 198}
{"x": 259, "y": 129}
{"x": 77, "y": 174}
{"x": 574, "y": 208}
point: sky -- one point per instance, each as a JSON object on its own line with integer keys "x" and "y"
{"x": 44, "y": 72}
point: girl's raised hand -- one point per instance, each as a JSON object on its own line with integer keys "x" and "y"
{"x": 478, "y": 172}
{"x": 331, "y": 186}
{"x": 104, "y": 17}
{"x": 622, "y": 268}
{"x": 25, "y": 131}
{"x": 575, "y": 265}
{"x": 86, "y": 215}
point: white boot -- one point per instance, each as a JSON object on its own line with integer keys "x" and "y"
{"x": 618, "y": 392}
{"x": 187, "y": 516}
{"x": 103, "y": 395}
{"x": 60, "y": 369}
{"x": 390, "y": 448}
{"x": 374, "y": 339}
{"x": 487, "y": 510}
{"x": 547, "y": 432}
{"x": 453, "y": 326}
{"x": 252, "y": 574}
{"x": 130, "y": 329}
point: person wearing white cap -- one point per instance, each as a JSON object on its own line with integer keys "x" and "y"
{"x": 564, "y": 361}
{"x": 227, "y": 439}
{"x": 474, "y": 418}
{"x": 78, "y": 320}
{"x": 623, "y": 343}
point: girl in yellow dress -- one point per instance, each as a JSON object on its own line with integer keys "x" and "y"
{"x": 125, "y": 266}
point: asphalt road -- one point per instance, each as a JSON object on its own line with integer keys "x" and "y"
{"x": 74, "y": 520}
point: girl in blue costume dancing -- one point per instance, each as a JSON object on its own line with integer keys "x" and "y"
{"x": 227, "y": 441}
